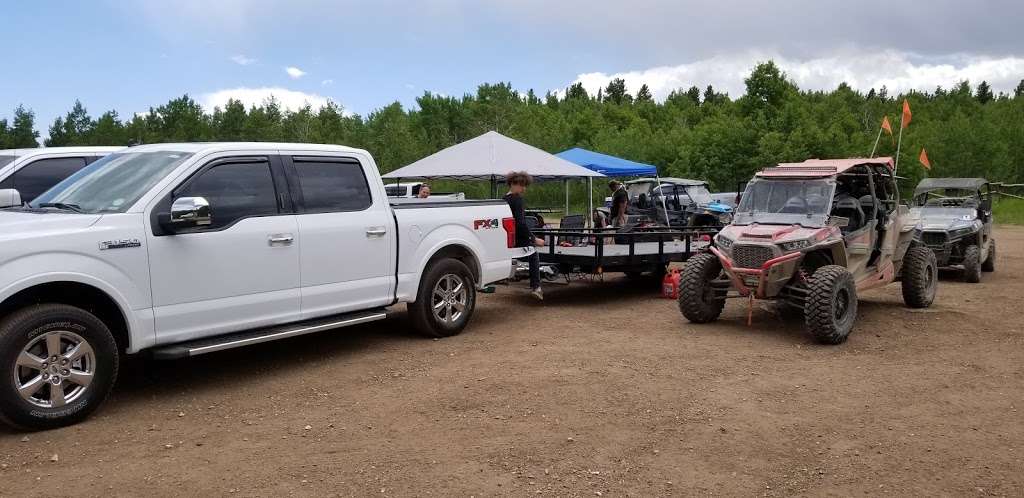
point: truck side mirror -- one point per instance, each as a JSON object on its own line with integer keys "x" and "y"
{"x": 9, "y": 198}
{"x": 188, "y": 212}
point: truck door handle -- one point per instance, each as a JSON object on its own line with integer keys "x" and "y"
{"x": 372, "y": 232}
{"x": 281, "y": 239}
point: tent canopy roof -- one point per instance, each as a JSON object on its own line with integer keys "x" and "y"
{"x": 491, "y": 155}
{"x": 607, "y": 165}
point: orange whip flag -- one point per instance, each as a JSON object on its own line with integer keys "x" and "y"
{"x": 924, "y": 159}
{"x": 887, "y": 127}
{"x": 906, "y": 114}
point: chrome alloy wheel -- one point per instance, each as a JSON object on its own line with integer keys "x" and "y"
{"x": 54, "y": 369}
{"x": 449, "y": 298}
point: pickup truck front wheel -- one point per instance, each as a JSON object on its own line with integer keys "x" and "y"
{"x": 58, "y": 364}
{"x": 445, "y": 301}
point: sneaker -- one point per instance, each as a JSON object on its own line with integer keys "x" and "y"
{"x": 537, "y": 293}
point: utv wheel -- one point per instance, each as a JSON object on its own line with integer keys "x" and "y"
{"x": 920, "y": 277}
{"x": 831, "y": 305}
{"x": 699, "y": 302}
{"x": 58, "y": 364}
{"x": 445, "y": 301}
{"x": 972, "y": 264}
{"x": 989, "y": 265}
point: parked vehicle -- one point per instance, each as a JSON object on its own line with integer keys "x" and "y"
{"x": 412, "y": 191}
{"x": 813, "y": 235}
{"x": 957, "y": 218}
{"x": 34, "y": 171}
{"x": 186, "y": 249}
{"x": 686, "y": 202}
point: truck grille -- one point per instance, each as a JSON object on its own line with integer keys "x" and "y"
{"x": 934, "y": 238}
{"x": 750, "y": 256}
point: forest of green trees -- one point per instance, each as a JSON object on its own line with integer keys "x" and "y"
{"x": 968, "y": 131}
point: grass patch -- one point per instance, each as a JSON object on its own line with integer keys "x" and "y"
{"x": 1008, "y": 210}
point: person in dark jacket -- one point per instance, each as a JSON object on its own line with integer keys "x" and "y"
{"x": 620, "y": 198}
{"x": 517, "y": 183}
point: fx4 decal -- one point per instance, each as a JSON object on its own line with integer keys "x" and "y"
{"x": 486, "y": 224}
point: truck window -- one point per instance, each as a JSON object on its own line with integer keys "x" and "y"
{"x": 235, "y": 191}
{"x": 38, "y": 176}
{"x": 332, "y": 185}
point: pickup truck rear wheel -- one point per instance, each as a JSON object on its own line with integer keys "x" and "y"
{"x": 446, "y": 299}
{"x": 972, "y": 264}
{"x": 59, "y": 362}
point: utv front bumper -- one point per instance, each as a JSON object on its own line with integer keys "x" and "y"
{"x": 764, "y": 282}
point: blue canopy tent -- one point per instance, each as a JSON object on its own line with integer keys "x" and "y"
{"x": 609, "y": 166}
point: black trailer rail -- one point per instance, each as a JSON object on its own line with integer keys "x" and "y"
{"x": 602, "y": 250}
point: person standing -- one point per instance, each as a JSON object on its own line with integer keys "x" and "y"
{"x": 517, "y": 183}
{"x": 620, "y": 198}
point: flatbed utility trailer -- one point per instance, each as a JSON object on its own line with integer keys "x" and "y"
{"x": 604, "y": 250}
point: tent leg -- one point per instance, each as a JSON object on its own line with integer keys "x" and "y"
{"x": 494, "y": 187}
{"x": 566, "y": 182}
{"x": 590, "y": 201}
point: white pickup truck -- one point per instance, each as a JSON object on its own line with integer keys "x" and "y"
{"x": 186, "y": 249}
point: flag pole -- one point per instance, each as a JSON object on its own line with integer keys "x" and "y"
{"x": 899, "y": 143}
{"x": 879, "y": 137}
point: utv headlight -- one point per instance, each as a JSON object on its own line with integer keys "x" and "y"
{"x": 723, "y": 241}
{"x": 795, "y": 245}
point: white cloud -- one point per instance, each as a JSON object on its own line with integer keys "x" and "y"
{"x": 327, "y": 82}
{"x": 289, "y": 99}
{"x": 294, "y": 72}
{"x": 898, "y": 71}
{"x": 242, "y": 60}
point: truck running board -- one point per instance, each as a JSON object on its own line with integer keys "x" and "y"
{"x": 247, "y": 338}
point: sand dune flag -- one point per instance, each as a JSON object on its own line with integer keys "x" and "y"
{"x": 906, "y": 114}
{"x": 924, "y": 159}
{"x": 887, "y": 127}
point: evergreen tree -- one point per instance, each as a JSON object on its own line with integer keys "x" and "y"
{"x": 616, "y": 93}
{"x": 576, "y": 92}
{"x": 5, "y": 138}
{"x": 984, "y": 93}
{"x": 694, "y": 94}
{"x": 107, "y": 130}
{"x": 644, "y": 94}
{"x": 22, "y": 134}
{"x": 1019, "y": 91}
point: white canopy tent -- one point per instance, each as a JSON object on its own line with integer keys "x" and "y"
{"x": 490, "y": 157}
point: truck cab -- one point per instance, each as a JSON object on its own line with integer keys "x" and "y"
{"x": 34, "y": 171}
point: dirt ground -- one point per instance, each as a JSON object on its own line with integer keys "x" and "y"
{"x": 601, "y": 390}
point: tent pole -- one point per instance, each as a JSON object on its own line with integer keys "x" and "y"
{"x": 590, "y": 200}
{"x": 668, "y": 222}
{"x": 566, "y": 182}
{"x": 494, "y": 187}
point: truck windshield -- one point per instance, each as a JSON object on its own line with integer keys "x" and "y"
{"x": 699, "y": 194}
{"x": 112, "y": 184}
{"x": 786, "y": 202}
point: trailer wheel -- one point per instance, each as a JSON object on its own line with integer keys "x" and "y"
{"x": 831, "y": 305}
{"x": 989, "y": 265}
{"x": 972, "y": 264}
{"x": 920, "y": 277}
{"x": 699, "y": 302}
{"x": 446, "y": 299}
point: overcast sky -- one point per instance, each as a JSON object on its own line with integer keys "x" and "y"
{"x": 128, "y": 55}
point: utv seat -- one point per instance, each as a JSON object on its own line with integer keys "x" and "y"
{"x": 850, "y": 208}
{"x": 795, "y": 205}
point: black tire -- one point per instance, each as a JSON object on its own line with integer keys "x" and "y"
{"x": 989, "y": 265}
{"x": 830, "y": 308}
{"x": 33, "y": 327}
{"x": 422, "y": 310}
{"x": 920, "y": 277}
{"x": 972, "y": 264}
{"x": 698, "y": 301}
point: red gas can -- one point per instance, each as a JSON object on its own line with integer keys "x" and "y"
{"x": 670, "y": 284}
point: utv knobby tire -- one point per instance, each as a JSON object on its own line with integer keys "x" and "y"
{"x": 698, "y": 301}
{"x": 972, "y": 264}
{"x": 27, "y": 324}
{"x": 420, "y": 310}
{"x": 989, "y": 265}
{"x": 920, "y": 277}
{"x": 830, "y": 308}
